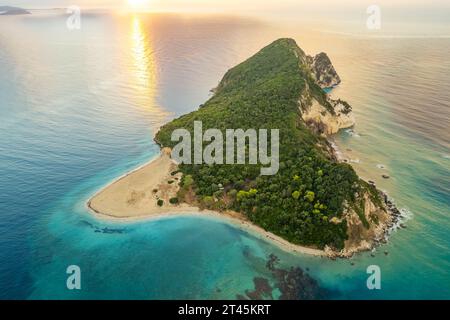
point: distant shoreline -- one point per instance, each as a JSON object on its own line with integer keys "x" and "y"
{"x": 12, "y": 11}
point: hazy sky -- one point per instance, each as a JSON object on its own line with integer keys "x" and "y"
{"x": 225, "y": 5}
{"x": 410, "y": 11}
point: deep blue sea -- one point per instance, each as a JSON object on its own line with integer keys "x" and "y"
{"x": 80, "y": 108}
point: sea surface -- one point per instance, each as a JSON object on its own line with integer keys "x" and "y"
{"x": 80, "y": 108}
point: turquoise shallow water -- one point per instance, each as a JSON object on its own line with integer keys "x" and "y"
{"x": 79, "y": 109}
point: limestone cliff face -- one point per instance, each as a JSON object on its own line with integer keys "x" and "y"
{"x": 361, "y": 236}
{"x": 322, "y": 121}
{"x": 328, "y": 116}
{"x": 325, "y": 119}
{"x": 323, "y": 70}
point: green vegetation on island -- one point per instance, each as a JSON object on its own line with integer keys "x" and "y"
{"x": 306, "y": 200}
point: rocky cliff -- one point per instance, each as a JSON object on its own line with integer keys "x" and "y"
{"x": 328, "y": 116}
{"x": 323, "y": 70}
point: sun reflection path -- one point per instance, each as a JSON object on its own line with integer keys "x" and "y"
{"x": 145, "y": 71}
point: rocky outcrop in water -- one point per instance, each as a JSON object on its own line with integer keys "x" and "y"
{"x": 326, "y": 116}
{"x": 323, "y": 70}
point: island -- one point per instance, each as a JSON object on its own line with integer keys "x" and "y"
{"x": 9, "y": 11}
{"x": 314, "y": 204}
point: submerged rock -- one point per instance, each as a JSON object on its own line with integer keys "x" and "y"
{"x": 292, "y": 283}
{"x": 262, "y": 290}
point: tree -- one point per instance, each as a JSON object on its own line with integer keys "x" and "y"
{"x": 188, "y": 181}
{"x": 309, "y": 196}
{"x": 208, "y": 201}
{"x": 241, "y": 195}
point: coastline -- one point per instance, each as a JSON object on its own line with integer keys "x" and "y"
{"x": 241, "y": 224}
{"x": 156, "y": 173}
{"x": 153, "y": 212}
{"x": 396, "y": 216}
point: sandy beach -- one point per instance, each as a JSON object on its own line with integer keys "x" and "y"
{"x": 135, "y": 196}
